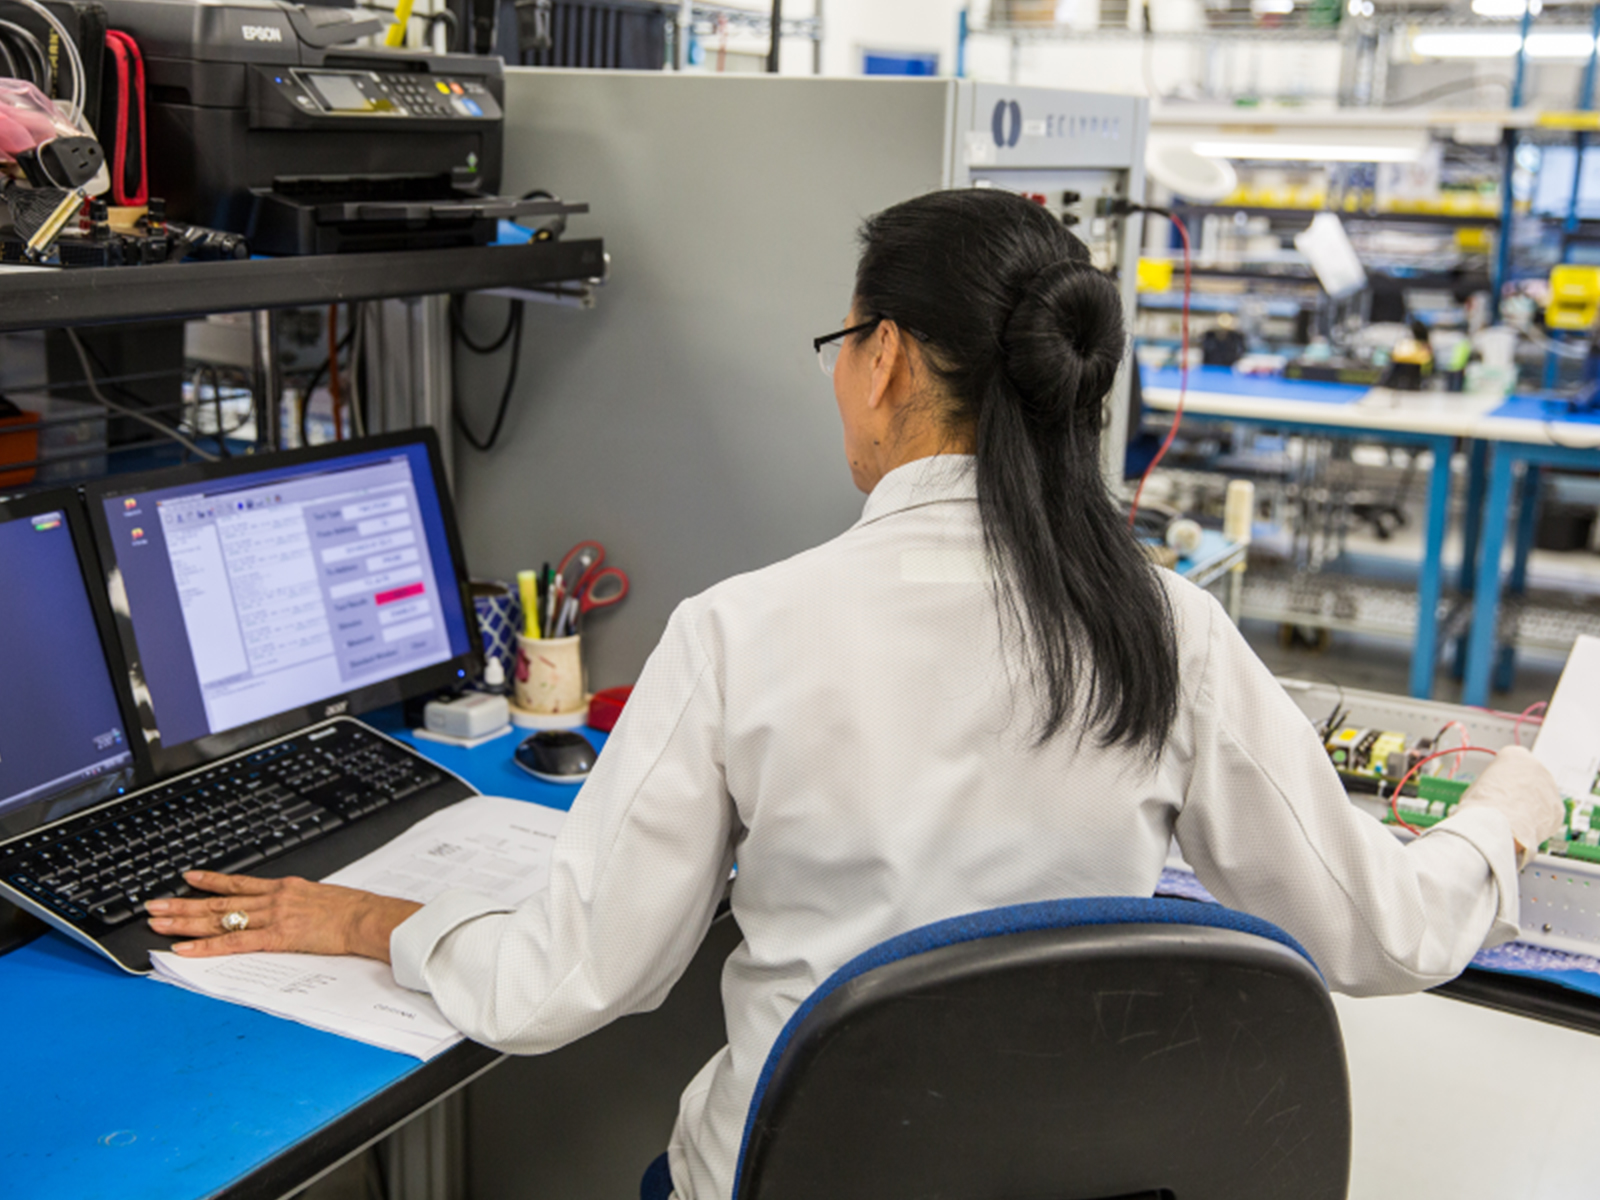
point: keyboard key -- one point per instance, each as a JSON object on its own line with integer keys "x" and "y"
{"x": 112, "y": 914}
{"x": 238, "y": 860}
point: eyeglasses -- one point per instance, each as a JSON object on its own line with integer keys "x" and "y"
{"x": 829, "y": 345}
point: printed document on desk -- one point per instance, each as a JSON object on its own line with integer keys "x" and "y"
{"x": 488, "y": 844}
{"x": 1567, "y": 743}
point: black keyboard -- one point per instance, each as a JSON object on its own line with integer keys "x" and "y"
{"x": 105, "y": 864}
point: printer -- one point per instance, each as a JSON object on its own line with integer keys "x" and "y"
{"x": 265, "y": 119}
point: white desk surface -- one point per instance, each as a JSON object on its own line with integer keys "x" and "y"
{"x": 1456, "y": 1101}
{"x": 1217, "y": 392}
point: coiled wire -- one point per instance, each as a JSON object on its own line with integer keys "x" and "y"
{"x": 15, "y": 38}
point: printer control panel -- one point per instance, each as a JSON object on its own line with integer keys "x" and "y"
{"x": 403, "y": 95}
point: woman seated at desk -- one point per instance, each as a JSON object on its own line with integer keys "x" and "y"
{"x": 981, "y": 694}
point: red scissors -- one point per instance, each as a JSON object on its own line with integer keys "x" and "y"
{"x": 586, "y": 585}
{"x": 601, "y": 589}
{"x": 577, "y": 564}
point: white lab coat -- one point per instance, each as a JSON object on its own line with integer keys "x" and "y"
{"x": 845, "y": 724}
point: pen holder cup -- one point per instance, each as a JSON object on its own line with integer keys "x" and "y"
{"x": 499, "y": 620}
{"x": 549, "y": 675}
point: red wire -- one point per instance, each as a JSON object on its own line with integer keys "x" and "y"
{"x": 1183, "y": 375}
{"x": 1526, "y": 715}
{"x": 1394, "y": 796}
{"x": 1466, "y": 738}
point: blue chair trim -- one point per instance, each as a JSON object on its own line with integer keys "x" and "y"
{"x": 996, "y": 922}
{"x": 657, "y": 1181}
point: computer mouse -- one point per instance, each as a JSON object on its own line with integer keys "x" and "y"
{"x": 556, "y": 756}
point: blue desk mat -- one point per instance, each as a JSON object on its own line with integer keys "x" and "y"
{"x": 1213, "y": 545}
{"x": 1542, "y": 408}
{"x": 1577, "y": 972}
{"x": 120, "y": 1088}
{"x": 1225, "y": 382}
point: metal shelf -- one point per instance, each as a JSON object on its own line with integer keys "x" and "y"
{"x": 1547, "y": 621}
{"x": 1320, "y": 600}
{"x": 1303, "y": 214}
{"x": 35, "y": 298}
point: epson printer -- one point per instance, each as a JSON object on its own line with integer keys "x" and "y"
{"x": 264, "y": 120}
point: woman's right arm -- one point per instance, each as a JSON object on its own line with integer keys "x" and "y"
{"x": 1268, "y": 828}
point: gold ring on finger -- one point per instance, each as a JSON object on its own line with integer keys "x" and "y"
{"x": 236, "y": 921}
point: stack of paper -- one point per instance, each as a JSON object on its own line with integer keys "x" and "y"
{"x": 487, "y": 844}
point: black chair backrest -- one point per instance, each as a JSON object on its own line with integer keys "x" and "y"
{"x": 1069, "y": 1050}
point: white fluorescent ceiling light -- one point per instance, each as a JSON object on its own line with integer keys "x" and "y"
{"x": 1481, "y": 44}
{"x": 1505, "y": 8}
{"x": 1308, "y": 152}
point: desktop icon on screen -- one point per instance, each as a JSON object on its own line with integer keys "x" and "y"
{"x": 137, "y": 533}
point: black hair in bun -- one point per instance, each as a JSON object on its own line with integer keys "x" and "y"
{"x": 1026, "y": 337}
{"x": 1064, "y": 341}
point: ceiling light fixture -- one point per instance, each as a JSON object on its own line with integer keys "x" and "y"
{"x": 1308, "y": 152}
{"x": 1494, "y": 44}
{"x": 1505, "y": 8}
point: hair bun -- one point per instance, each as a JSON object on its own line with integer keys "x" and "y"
{"x": 1064, "y": 341}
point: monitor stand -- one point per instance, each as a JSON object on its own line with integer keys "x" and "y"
{"x": 17, "y": 928}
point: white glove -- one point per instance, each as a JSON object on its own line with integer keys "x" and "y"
{"x": 1520, "y": 786}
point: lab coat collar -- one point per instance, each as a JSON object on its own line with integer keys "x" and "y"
{"x": 939, "y": 479}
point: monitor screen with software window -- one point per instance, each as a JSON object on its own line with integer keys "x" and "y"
{"x": 247, "y": 598}
{"x": 63, "y": 740}
{"x": 1552, "y": 189}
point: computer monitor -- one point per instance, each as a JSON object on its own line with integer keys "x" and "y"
{"x": 64, "y": 738}
{"x": 255, "y": 596}
{"x": 1552, "y": 188}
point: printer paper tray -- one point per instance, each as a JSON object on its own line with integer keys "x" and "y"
{"x": 289, "y": 225}
{"x": 493, "y": 208}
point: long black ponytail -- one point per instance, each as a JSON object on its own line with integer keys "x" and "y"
{"x": 1026, "y": 336}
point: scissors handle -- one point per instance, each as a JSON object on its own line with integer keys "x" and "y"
{"x": 578, "y": 564}
{"x": 604, "y": 589}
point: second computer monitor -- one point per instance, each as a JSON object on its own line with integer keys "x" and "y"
{"x": 64, "y": 741}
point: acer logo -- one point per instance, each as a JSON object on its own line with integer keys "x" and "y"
{"x": 262, "y": 33}
{"x": 334, "y": 710}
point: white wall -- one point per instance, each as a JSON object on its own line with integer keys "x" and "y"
{"x": 851, "y": 25}
{"x": 1168, "y": 66}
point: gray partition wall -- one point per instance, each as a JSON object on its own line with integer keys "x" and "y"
{"x": 683, "y": 421}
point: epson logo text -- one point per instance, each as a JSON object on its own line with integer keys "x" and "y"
{"x": 262, "y": 33}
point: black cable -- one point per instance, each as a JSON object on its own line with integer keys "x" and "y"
{"x": 216, "y": 404}
{"x": 514, "y": 332}
{"x": 458, "y": 306}
{"x": 449, "y": 18}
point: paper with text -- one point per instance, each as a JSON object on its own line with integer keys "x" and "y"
{"x": 1568, "y": 743}
{"x": 488, "y": 844}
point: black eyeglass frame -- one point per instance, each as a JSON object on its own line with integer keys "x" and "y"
{"x": 818, "y": 343}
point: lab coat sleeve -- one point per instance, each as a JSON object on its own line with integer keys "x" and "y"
{"x": 1268, "y": 828}
{"x": 635, "y": 878}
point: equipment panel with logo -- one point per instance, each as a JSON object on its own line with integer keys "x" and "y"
{"x": 1021, "y": 127}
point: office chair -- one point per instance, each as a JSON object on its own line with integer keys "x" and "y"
{"x": 1066, "y": 1050}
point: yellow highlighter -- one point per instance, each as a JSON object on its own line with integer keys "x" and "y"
{"x": 527, "y": 585}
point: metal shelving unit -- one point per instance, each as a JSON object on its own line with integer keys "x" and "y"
{"x": 704, "y": 21}
{"x": 48, "y": 297}
{"x": 408, "y": 354}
